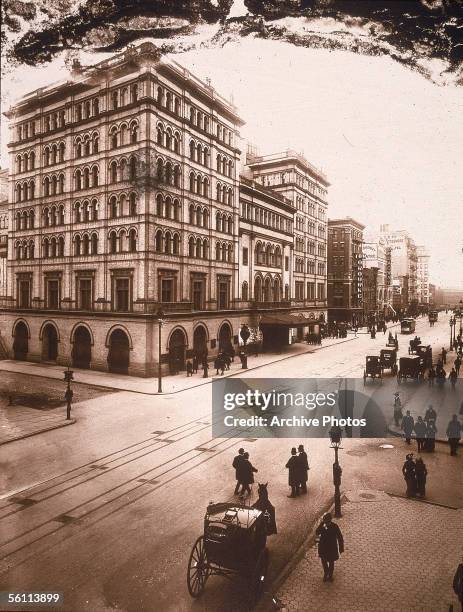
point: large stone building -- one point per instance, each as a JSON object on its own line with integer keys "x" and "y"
{"x": 422, "y": 275}
{"x": 345, "y": 271}
{"x": 4, "y": 223}
{"x": 377, "y": 258}
{"x": 125, "y": 207}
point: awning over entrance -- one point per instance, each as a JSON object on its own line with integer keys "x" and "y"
{"x": 287, "y": 320}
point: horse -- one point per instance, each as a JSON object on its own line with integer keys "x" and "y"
{"x": 264, "y": 505}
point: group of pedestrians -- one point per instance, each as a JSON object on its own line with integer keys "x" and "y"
{"x": 298, "y": 475}
{"x": 244, "y": 473}
{"x": 425, "y": 430}
{"x": 415, "y": 474}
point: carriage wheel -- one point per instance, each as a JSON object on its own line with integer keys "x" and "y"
{"x": 198, "y": 569}
{"x": 258, "y": 576}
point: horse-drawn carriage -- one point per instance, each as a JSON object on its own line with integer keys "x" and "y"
{"x": 413, "y": 345}
{"x": 373, "y": 368}
{"x": 410, "y": 367}
{"x": 424, "y": 352}
{"x": 388, "y": 360}
{"x": 407, "y": 326}
{"x": 432, "y": 317}
{"x": 233, "y": 545}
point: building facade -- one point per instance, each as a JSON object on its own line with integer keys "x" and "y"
{"x": 422, "y": 275}
{"x": 124, "y": 199}
{"x": 345, "y": 271}
{"x": 4, "y": 224}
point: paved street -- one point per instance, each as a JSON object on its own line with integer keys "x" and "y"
{"x": 107, "y": 510}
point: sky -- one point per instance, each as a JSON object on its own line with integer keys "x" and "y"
{"x": 389, "y": 140}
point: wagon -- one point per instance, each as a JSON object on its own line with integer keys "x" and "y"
{"x": 410, "y": 367}
{"x": 373, "y": 368}
{"x": 433, "y": 316}
{"x": 413, "y": 345}
{"x": 388, "y": 358}
{"x": 407, "y": 326}
{"x": 233, "y": 546}
{"x": 425, "y": 353}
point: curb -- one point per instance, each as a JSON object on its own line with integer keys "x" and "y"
{"x": 39, "y": 431}
{"x": 207, "y": 382}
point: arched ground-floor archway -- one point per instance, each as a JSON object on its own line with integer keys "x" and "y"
{"x": 119, "y": 352}
{"x": 200, "y": 341}
{"x": 49, "y": 343}
{"x": 82, "y": 348}
{"x": 177, "y": 351}
{"x": 21, "y": 341}
{"x": 225, "y": 337}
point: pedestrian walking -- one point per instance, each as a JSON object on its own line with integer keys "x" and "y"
{"x": 293, "y": 465}
{"x": 444, "y": 356}
{"x": 431, "y": 376}
{"x": 189, "y": 369}
{"x": 453, "y": 434}
{"x": 195, "y": 364}
{"x": 408, "y": 470}
{"x": 304, "y": 468}
{"x": 430, "y": 414}
{"x": 219, "y": 365}
{"x": 330, "y": 545}
{"x": 408, "y": 424}
{"x": 398, "y": 415}
{"x": 205, "y": 369}
{"x": 457, "y": 364}
{"x": 420, "y": 433}
{"x": 236, "y": 464}
{"x": 458, "y": 583}
{"x": 421, "y": 473}
{"x": 246, "y": 474}
{"x": 430, "y": 442}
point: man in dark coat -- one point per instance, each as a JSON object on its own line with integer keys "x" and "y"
{"x": 454, "y": 434}
{"x": 421, "y": 473}
{"x": 430, "y": 414}
{"x": 303, "y": 467}
{"x": 330, "y": 545}
{"x": 246, "y": 474}
{"x": 407, "y": 426}
{"x": 420, "y": 432}
{"x": 408, "y": 470}
{"x": 458, "y": 583}
{"x": 293, "y": 466}
{"x": 236, "y": 464}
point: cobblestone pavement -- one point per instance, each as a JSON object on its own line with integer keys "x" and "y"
{"x": 400, "y": 555}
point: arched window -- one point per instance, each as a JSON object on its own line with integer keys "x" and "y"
{"x": 61, "y": 214}
{"x": 46, "y": 184}
{"x": 46, "y": 248}
{"x": 160, "y": 169}
{"x": 160, "y": 135}
{"x": 198, "y": 216}
{"x": 218, "y": 222}
{"x": 86, "y": 207}
{"x": 115, "y": 100}
{"x": 176, "y": 210}
{"x": 87, "y": 145}
{"x": 96, "y": 107}
{"x": 206, "y": 156}
{"x": 77, "y": 245}
{"x": 168, "y": 243}
{"x": 177, "y": 106}
{"x": 132, "y": 241}
{"x": 191, "y": 246}
{"x": 218, "y": 193}
{"x": 113, "y": 172}
{"x": 175, "y": 244}
{"x": 31, "y": 190}
{"x": 88, "y": 110}
{"x": 191, "y": 214}
{"x": 205, "y": 249}
{"x": 61, "y": 151}
{"x": 78, "y": 212}
{"x": 258, "y": 289}
{"x": 159, "y": 205}
{"x": 112, "y": 242}
{"x": 31, "y": 249}
{"x": 158, "y": 241}
{"x": 54, "y": 217}
{"x": 95, "y": 142}
{"x": 133, "y": 204}
{"x": 94, "y": 208}
{"x": 176, "y": 142}
{"x": 177, "y": 176}
{"x": 86, "y": 245}
{"x": 198, "y": 247}
{"x": 86, "y": 178}
{"x": 168, "y": 173}
{"x": 205, "y": 218}
{"x": 230, "y": 197}
{"x": 95, "y": 176}
{"x": 31, "y": 160}
{"x": 123, "y": 135}
{"x": 113, "y": 139}
{"x": 169, "y": 138}
{"x": 168, "y": 100}
{"x": 160, "y": 96}
{"x": 78, "y": 152}
{"x": 19, "y": 162}
{"x": 168, "y": 210}
{"x": 113, "y": 207}
{"x": 192, "y": 150}
{"x": 124, "y": 96}
{"x": 134, "y": 93}
{"x": 192, "y": 182}
{"x": 94, "y": 243}
{"x": 244, "y": 291}
{"x": 198, "y": 184}
{"x": 134, "y": 133}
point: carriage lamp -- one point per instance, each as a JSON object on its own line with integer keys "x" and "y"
{"x": 161, "y": 321}
{"x": 68, "y": 377}
{"x": 336, "y": 437}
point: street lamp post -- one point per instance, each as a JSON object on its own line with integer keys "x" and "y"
{"x": 68, "y": 377}
{"x": 452, "y": 323}
{"x": 336, "y": 436}
{"x": 160, "y": 319}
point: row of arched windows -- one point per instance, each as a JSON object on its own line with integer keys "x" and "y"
{"x": 87, "y": 144}
{"x": 224, "y": 223}
{"x": 53, "y": 215}
{"x": 24, "y": 249}
{"x": 167, "y": 172}
{"x": 199, "y": 119}
{"x": 87, "y": 109}
{"x": 168, "y": 100}
{"x": 198, "y": 247}
{"x": 86, "y": 244}
{"x": 168, "y": 137}
{"x": 53, "y": 185}
{"x": 3, "y": 221}
{"x": 299, "y": 264}
{"x": 265, "y": 290}
{"x": 25, "y": 162}
{"x": 85, "y": 211}
{"x": 223, "y": 251}
{"x": 122, "y": 205}
{"x": 123, "y": 134}
{"x": 267, "y": 255}
{"x": 199, "y": 153}
{"x": 199, "y": 184}
{"x": 85, "y": 178}
{"x": 25, "y": 191}
{"x": 26, "y": 130}
{"x": 53, "y": 247}
{"x": 123, "y": 96}
{"x": 167, "y": 242}
{"x": 54, "y": 154}
{"x": 224, "y": 165}
{"x": 25, "y": 219}
{"x": 54, "y": 121}
{"x": 224, "y": 194}
{"x": 167, "y": 207}
{"x": 198, "y": 215}
{"x": 123, "y": 241}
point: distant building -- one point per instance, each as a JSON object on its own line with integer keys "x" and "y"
{"x": 423, "y": 257}
{"x": 4, "y": 224}
{"x": 432, "y": 293}
{"x": 345, "y": 270}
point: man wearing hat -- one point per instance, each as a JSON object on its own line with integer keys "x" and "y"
{"x": 398, "y": 416}
{"x": 408, "y": 470}
{"x": 237, "y": 463}
{"x": 330, "y": 545}
{"x": 303, "y": 468}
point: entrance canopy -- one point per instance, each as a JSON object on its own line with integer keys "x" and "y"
{"x": 287, "y": 320}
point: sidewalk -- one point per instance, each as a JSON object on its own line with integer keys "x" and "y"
{"x": 170, "y": 383}
{"x": 399, "y": 555}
